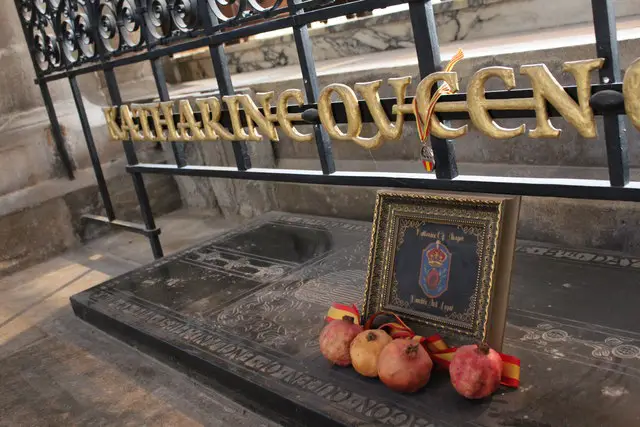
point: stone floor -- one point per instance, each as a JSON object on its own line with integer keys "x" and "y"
{"x": 56, "y": 370}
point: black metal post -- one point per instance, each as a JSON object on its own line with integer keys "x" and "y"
{"x": 225, "y": 87}
{"x": 93, "y": 153}
{"x": 163, "y": 93}
{"x": 310, "y": 80}
{"x": 161, "y": 86}
{"x": 426, "y": 39}
{"x": 615, "y": 132}
{"x": 56, "y": 131}
{"x": 138, "y": 181}
{"x": 223, "y": 78}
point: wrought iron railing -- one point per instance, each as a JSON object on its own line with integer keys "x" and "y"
{"x": 68, "y": 38}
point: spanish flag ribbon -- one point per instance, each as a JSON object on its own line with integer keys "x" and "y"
{"x": 440, "y": 352}
{"x": 424, "y": 123}
{"x": 339, "y": 311}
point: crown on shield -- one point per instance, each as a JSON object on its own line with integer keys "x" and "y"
{"x": 436, "y": 257}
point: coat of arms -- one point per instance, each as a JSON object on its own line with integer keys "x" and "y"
{"x": 434, "y": 270}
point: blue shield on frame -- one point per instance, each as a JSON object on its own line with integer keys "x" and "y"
{"x": 434, "y": 270}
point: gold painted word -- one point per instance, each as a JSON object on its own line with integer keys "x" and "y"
{"x": 133, "y": 121}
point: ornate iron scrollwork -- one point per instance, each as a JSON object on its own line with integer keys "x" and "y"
{"x": 158, "y": 18}
{"x": 67, "y": 33}
{"x": 185, "y": 14}
{"x": 83, "y": 29}
{"x": 53, "y": 51}
{"x": 40, "y": 49}
{"x": 108, "y": 27}
{"x": 217, "y": 6}
{"x": 26, "y": 11}
{"x": 41, "y": 6}
{"x": 255, "y": 4}
{"x": 129, "y": 23}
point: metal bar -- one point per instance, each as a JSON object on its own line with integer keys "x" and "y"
{"x": 93, "y": 153}
{"x": 223, "y": 77}
{"x": 387, "y": 104}
{"x": 123, "y": 225}
{"x": 539, "y": 187}
{"x": 225, "y": 87}
{"x": 310, "y": 80}
{"x": 138, "y": 181}
{"x": 220, "y": 38}
{"x": 426, "y": 39}
{"x": 161, "y": 85}
{"x": 163, "y": 93}
{"x": 604, "y": 22}
{"x": 56, "y": 131}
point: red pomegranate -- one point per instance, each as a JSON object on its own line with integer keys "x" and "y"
{"x": 476, "y": 371}
{"x": 335, "y": 340}
{"x": 404, "y": 366}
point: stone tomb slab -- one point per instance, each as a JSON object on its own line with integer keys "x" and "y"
{"x": 246, "y": 309}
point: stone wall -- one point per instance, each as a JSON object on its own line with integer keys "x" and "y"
{"x": 40, "y": 208}
{"x": 604, "y": 225}
{"x": 456, "y": 20}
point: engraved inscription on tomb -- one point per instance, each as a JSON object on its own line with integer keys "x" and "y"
{"x": 377, "y": 411}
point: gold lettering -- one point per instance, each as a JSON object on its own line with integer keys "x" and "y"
{"x": 189, "y": 128}
{"x": 210, "y": 109}
{"x": 239, "y": 134}
{"x": 115, "y": 132}
{"x": 155, "y": 122}
{"x": 129, "y": 125}
{"x": 285, "y": 118}
{"x": 423, "y": 98}
{"x": 352, "y": 109}
{"x": 386, "y": 129}
{"x": 631, "y": 91}
{"x": 547, "y": 88}
{"x": 167, "y": 112}
{"x": 262, "y": 120}
{"x": 142, "y": 114}
{"x": 154, "y": 111}
{"x": 479, "y": 105}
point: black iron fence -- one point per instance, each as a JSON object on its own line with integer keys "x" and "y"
{"x": 68, "y": 38}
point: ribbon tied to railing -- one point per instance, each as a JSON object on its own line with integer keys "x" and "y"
{"x": 424, "y": 122}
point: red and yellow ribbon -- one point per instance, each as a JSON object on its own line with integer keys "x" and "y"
{"x": 424, "y": 123}
{"x": 440, "y": 352}
{"x": 339, "y": 311}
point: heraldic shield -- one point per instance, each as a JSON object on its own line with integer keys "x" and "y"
{"x": 434, "y": 269}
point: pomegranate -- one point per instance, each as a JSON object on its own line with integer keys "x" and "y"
{"x": 404, "y": 366}
{"x": 365, "y": 349}
{"x": 476, "y": 371}
{"x": 336, "y": 338}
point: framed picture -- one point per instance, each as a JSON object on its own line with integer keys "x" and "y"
{"x": 443, "y": 261}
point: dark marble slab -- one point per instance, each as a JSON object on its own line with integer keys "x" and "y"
{"x": 246, "y": 310}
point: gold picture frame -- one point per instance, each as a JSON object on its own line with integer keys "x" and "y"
{"x": 443, "y": 261}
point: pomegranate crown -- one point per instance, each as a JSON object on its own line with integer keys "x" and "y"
{"x": 436, "y": 256}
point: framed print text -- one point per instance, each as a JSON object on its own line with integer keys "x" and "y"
{"x": 443, "y": 261}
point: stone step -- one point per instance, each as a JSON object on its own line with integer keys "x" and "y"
{"x": 243, "y": 312}
{"x": 45, "y": 219}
